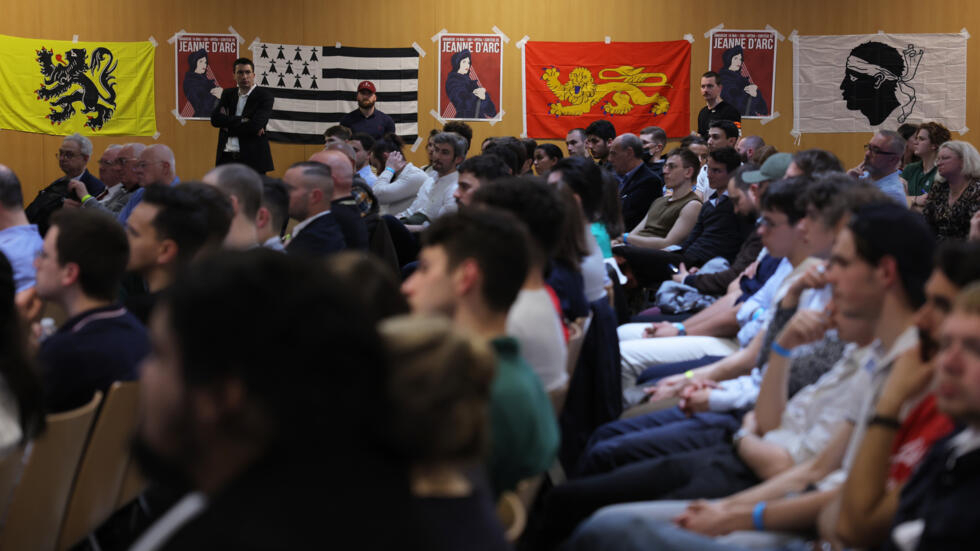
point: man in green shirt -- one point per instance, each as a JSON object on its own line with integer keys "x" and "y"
{"x": 471, "y": 267}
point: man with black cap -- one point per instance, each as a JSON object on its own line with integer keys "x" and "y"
{"x": 366, "y": 118}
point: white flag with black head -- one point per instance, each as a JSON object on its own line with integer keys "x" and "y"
{"x": 858, "y": 83}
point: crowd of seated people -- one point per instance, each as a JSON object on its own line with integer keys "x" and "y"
{"x": 365, "y": 338}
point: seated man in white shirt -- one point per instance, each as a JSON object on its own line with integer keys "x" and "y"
{"x": 435, "y": 198}
{"x": 398, "y": 181}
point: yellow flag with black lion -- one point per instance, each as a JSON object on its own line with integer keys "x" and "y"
{"x": 61, "y": 87}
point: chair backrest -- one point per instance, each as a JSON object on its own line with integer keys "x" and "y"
{"x": 133, "y": 484}
{"x": 38, "y": 506}
{"x": 11, "y": 467}
{"x": 103, "y": 466}
{"x": 512, "y": 515}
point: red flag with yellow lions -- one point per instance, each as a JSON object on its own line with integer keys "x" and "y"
{"x": 631, "y": 84}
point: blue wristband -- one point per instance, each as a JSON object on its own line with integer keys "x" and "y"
{"x": 625, "y": 240}
{"x": 757, "y": 512}
{"x": 780, "y": 350}
{"x": 388, "y": 168}
{"x": 680, "y": 328}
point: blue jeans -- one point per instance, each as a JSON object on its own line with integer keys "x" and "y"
{"x": 654, "y": 435}
{"x": 649, "y": 526}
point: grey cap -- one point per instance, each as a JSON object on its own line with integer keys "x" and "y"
{"x": 773, "y": 169}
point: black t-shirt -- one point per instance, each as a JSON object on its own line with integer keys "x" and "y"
{"x": 376, "y": 126}
{"x": 723, "y": 111}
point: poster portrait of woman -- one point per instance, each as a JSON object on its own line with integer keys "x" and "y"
{"x": 469, "y": 97}
{"x": 738, "y": 89}
{"x": 201, "y": 91}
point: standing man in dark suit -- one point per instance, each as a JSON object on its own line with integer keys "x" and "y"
{"x": 310, "y": 187}
{"x": 638, "y": 185}
{"x": 242, "y": 114}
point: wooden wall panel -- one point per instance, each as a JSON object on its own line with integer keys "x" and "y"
{"x": 391, "y": 23}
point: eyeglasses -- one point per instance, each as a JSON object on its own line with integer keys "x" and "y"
{"x": 877, "y": 151}
{"x": 769, "y": 223}
{"x": 143, "y": 164}
{"x": 66, "y": 154}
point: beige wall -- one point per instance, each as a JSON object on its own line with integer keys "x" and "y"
{"x": 391, "y": 23}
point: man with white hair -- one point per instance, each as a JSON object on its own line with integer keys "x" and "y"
{"x": 73, "y": 157}
{"x": 155, "y": 165}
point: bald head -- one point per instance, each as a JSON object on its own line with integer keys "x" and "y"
{"x": 110, "y": 172}
{"x": 341, "y": 168}
{"x": 626, "y": 153}
{"x": 128, "y": 157}
{"x": 156, "y": 166}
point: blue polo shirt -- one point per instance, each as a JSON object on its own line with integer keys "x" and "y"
{"x": 89, "y": 352}
{"x": 376, "y": 126}
{"x": 21, "y": 245}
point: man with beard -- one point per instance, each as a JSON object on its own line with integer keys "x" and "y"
{"x": 366, "y": 118}
{"x": 247, "y": 440}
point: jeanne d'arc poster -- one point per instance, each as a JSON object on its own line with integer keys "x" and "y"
{"x": 746, "y": 65}
{"x": 204, "y": 68}
{"x": 470, "y": 76}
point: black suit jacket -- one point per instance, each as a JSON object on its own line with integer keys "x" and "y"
{"x": 320, "y": 238}
{"x": 258, "y": 108}
{"x": 352, "y": 226}
{"x": 718, "y": 232}
{"x": 296, "y": 503}
{"x": 51, "y": 198}
{"x": 637, "y": 193}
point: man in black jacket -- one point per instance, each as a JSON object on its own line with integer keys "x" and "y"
{"x": 242, "y": 114}
{"x": 310, "y": 188}
{"x": 73, "y": 156}
{"x": 638, "y": 185}
{"x": 718, "y": 231}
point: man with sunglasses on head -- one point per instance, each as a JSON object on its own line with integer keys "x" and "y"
{"x": 882, "y": 157}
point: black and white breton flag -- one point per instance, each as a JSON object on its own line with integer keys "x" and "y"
{"x": 315, "y": 86}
